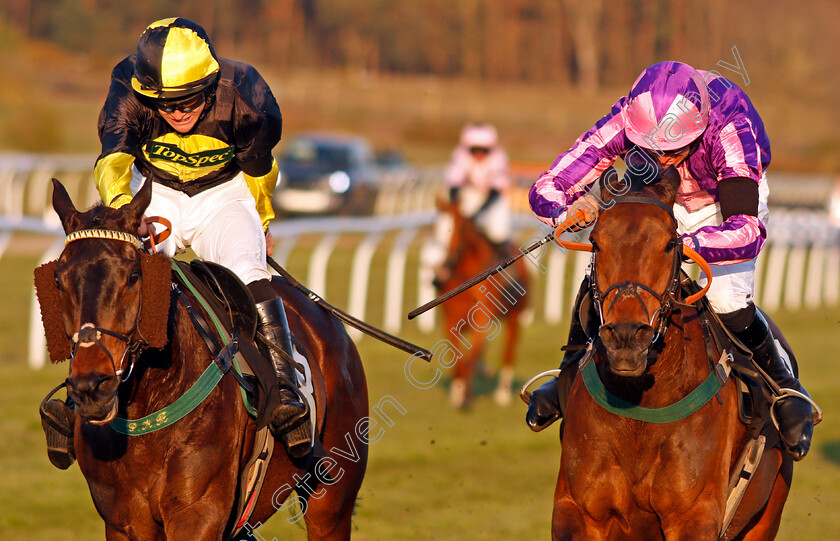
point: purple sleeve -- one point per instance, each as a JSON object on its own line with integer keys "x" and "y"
{"x": 738, "y": 239}
{"x": 735, "y": 151}
{"x": 575, "y": 170}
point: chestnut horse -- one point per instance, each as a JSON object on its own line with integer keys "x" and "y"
{"x": 478, "y": 315}
{"x": 181, "y": 482}
{"x": 628, "y": 479}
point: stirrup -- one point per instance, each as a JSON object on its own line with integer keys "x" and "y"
{"x": 525, "y": 394}
{"x": 55, "y": 416}
{"x": 298, "y": 440}
{"x": 787, "y": 392}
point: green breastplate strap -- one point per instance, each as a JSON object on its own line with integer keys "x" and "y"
{"x": 692, "y": 402}
{"x": 193, "y": 396}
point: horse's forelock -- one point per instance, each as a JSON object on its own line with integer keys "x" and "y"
{"x": 101, "y": 216}
{"x": 662, "y": 186}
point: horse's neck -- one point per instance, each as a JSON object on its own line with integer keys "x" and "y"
{"x": 473, "y": 249}
{"x": 164, "y": 374}
{"x": 682, "y": 363}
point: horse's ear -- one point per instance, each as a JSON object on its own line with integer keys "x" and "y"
{"x": 668, "y": 185}
{"x": 49, "y": 299}
{"x": 155, "y": 291}
{"x": 134, "y": 210}
{"x": 64, "y": 207}
{"x": 611, "y": 184}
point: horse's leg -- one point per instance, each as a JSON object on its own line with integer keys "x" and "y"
{"x": 766, "y": 524}
{"x": 202, "y": 521}
{"x": 461, "y": 391}
{"x": 702, "y": 521}
{"x": 567, "y": 521}
{"x": 503, "y": 395}
{"x": 329, "y": 518}
{"x": 331, "y": 496}
{"x": 136, "y": 533}
{"x": 113, "y": 535}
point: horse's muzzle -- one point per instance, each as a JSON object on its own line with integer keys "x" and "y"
{"x": 627, "y": 347}
{"x": 95, "y": 396}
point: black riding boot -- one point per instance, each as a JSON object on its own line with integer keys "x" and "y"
{"x": 548, "y": 400}
{"x": 289, "y": 422}
{"x": 794, "y": 414}
{"x": 58, "y": 419}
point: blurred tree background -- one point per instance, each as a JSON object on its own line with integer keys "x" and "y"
{"x": 409, "y": 73}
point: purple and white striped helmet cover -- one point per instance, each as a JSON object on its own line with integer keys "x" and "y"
{"x": 667, "y": 108}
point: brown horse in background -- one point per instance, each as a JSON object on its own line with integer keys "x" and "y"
{"x": 180, "y": 482}
{"x": 626, "y": 479}
{"x": 478, "y": 315}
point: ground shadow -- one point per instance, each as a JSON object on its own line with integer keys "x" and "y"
{"x": 484, "y": 384}
{"x": 831, "y": 451}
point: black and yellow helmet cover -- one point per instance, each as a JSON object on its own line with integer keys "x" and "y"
{"x": 174, "y": 59}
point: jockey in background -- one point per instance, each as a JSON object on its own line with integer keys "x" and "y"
{"x": 707, "y": 128}
{"x": 477, "y": 179}
{"x": 202, "y": 129}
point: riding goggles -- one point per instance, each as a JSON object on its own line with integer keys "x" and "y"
{"x": 185, "y": 105}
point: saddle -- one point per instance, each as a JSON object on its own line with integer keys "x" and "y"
{"x": 223, "y": 293}
{"x": 754, "y": 396}
{"x": 227, "y": 299}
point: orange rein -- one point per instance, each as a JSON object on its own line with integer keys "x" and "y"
{"x": 694, "y": 256}
{"x": 688, "y": 252}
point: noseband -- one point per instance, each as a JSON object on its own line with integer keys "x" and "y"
{"x": 666, "y": 300}
{"x": 89, "y": 334}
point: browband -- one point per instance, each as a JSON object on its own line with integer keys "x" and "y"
{"x": 104, "y": 234}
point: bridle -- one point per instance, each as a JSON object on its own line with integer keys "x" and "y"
{"x": 89, "y": 334}
{"x": 667, "y": 299}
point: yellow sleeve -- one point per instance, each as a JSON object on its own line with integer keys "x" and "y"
{"x": 262, "y": 188}
{"x": 113, "y": 178}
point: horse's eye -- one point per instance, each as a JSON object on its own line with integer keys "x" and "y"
{"x": 58, "y": 283}
{"x": 672, "y": 244}
{"x": 133, "y": 277}
{"x": 595, "y": 247}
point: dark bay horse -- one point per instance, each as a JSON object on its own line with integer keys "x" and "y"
{"x": 180, "y": 482}
{"x": 627, "y": 479}
{"x": 479, "y": 314}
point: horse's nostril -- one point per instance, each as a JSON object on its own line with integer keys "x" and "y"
{"x": 92, "y": 386}
{"x": 626, "y": 335}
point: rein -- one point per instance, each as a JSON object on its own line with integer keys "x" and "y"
{"x": 589, "y": 372}
{"x": 667, "y": 299}
{"x": 89, "y": 334}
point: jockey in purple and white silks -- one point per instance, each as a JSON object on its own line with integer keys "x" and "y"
{"x": 708, "y": 129}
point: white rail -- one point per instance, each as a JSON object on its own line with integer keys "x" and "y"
{"x": 799, "y": 267}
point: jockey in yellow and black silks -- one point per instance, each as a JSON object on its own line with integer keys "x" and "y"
{"x": 202, "y": 128}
